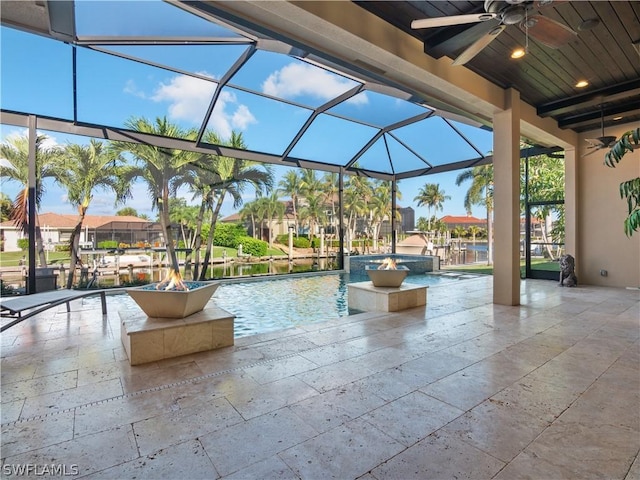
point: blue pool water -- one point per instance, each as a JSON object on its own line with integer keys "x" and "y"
{"x": 275, "y": 304}
{"x": 266, "y": 305}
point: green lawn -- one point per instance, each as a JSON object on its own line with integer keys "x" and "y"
{"x": 537, "y": 264}
{"x": 12, "y": 259}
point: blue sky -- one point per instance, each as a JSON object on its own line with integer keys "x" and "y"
{"x": 36, "y": 77}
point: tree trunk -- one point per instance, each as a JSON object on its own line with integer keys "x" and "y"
{"x": 212, "y": 229}
{"x": 198, "y": 238}
{"x": 165, "y": 223}
{"x": 74, "y": 243}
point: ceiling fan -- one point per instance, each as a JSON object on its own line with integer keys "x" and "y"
{"x": 598, "y": 143}
{"x": 510, "y": 12}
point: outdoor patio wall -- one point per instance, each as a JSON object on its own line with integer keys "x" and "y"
{"x": 602, "y": 244}
{"x": 417, "y": 264}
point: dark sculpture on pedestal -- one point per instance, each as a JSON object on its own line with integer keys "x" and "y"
{"x": 567, "y": 271}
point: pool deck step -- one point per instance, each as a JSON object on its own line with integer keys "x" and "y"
{"x": 149, "y": 339}
{"x": 366, "y": 297}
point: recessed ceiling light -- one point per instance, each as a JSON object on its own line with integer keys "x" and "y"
{"x": 582, "y": 84}
{"x": 518, "y": 53}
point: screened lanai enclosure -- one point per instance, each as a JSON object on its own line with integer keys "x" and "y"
{"x": 240, "y": 123}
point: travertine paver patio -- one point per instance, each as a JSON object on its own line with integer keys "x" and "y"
{"x": 459, "y": 389}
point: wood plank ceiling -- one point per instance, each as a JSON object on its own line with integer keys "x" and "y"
{"x": 605, "y": 52}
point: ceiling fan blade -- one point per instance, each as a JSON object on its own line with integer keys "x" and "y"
{"x": 547, "y": 31}
{"x": 595, "y": 142}
{"x": 477, "y": 47}
{"x": 590, "y": 152}
{"x": 452, "y": 20}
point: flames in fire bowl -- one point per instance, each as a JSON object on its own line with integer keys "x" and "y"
{"x": 388, "y": 274}
{"x": 173, "y": 303}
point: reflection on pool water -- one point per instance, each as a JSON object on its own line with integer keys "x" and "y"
{"x": 267, "y": 305}
{"x": 275, "y": 304}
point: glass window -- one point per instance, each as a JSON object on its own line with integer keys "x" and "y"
{"x": 135, "y": 18}
{"x": 287, "y": 78}
{"x": 33, "y": 82}
{"x": 112, "y": 90}
{"x": 332, "y": 140}
{"x": 377, "y": 109}
{"x": 436, "y": 141}
{"x": 267, "y": 125}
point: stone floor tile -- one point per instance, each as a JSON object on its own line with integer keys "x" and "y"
{"x": 38, "y": 386}
{"x": 160, "y": 376}
{"x": 10, "y": 411}
{"x": 178, "y": 426}
{"x": 347, "y": 451}
{"x": 186, "y": 460}
{"x": 270, "y": 397}
{"x": 239, "y": 446}
{"x": 439, "y": 456}
{"x": 88, "y": 454}
{"x": 270, "y": 468}
{"x": 24, "y": 436}
{"x": 634, "y": 471}
{"x": 330, "y": 409}
{"x": 335, "y": 375}
{"x": 70, "y": 398}
{"x": 500, "y": 430}
{"x": 542, "y": 400}
{"x": 412, "y": 418}
{"x": 586, "y": 450}
{"x": 278, "y": 369}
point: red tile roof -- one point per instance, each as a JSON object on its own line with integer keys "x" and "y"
{"x": 462, "y": 219}
{"x": 59, "y": 220}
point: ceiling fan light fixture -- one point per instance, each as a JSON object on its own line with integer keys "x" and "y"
{"x": 582, "y": 83}
{"x": 518, "y": 53}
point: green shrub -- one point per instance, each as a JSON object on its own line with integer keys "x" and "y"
{"x": 229, "y": 235}
{"x": 253, "y": 246}
{"x": 301, "y": 242}
{"x": 108, "y": 244}
{"x": 23, "y": 244}
{"x": 62, "y": 248}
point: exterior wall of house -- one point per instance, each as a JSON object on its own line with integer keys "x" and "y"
{"x": 601, "y": 242}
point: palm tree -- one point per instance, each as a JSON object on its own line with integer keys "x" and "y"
{"x": 250, "y": 211}
{"x": 330, "y": 187}
{"x": 231, "y": 176}
{"x": 480, "y": 193}
{"x": 86, "y": 169}
{"x": 16, "y": 152}
{"x": 291, "y": 185}
{"x": 311, "y": 188}
{"x": 159, "y": 168}
{"x": 270, "y": 208}
{"x": 431, "y": 196}
{"x": 474, "y": 230}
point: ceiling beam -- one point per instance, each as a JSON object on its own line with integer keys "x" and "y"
{"x": 594, "y": 117}
{"x": 597, "y": 97}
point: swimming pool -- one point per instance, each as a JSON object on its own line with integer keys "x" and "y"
{"x": 275, "y": 304}
{"x": 264, "y": 305}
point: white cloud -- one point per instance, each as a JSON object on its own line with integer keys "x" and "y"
{"x": 189, "y": 98}
{"x": 295, "y": 80}
{"x": 132, "y": 89}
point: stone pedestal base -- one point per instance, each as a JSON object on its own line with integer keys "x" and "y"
{"x": 364, "y": 296}
{"x": 148, "y": 339}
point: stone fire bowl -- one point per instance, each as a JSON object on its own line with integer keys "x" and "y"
{"x": 387, "y": 278}
{"x": 173, "y": 303}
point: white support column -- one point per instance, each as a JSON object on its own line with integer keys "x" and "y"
{"x": 571, "y": 166}
{"x": 506, "y": 201}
